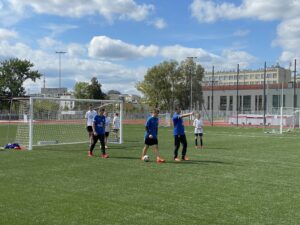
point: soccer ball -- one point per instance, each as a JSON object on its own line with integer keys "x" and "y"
{"x": 146, "y": 158}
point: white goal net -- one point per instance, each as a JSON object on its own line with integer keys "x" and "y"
{"x": 164, "y": 119}
{"x": 283, "y": 119}
{"x": 48, "y": 121}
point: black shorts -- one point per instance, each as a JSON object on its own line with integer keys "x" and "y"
{"x": 106, "y": 134}
{"x": 89, "y": 129}
{"x": 151, "y": 141}
{"x": 199, "y": 134}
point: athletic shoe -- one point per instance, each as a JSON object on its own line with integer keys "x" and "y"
{"x": 90, "y": 154}
{"x": 176, "y": 159}
{"x": 160, "y": 160}
{"x": 104, "y": 156}
{"x": 185, "y": 158}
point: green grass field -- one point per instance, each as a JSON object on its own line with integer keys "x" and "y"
{"x": 242, "y": 176}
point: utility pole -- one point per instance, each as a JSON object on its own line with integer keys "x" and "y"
{"x": 59, "y": 70}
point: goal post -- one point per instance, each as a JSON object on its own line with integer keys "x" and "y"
{"x": 282, "y": 120}
{"x": 51, "y": 121}
{"x": 164, "y": 119}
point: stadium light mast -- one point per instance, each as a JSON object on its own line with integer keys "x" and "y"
{"x": 59, "y": 69}
{"x": 191, "y": 99}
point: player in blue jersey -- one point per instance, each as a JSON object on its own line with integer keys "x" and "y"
{"x": 99, "y": 133}
{"x": 179, "y": 134}
{"x": 150, "y": 136}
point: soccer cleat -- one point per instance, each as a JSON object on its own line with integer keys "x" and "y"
{"x": 90, "y": 154}
{"x": 104, "y": 156}
{"x": 160, "y": 160}
{"x": 106, "y": 147}
{"x": 176, "y": 159}
{"x": 185, "y": 158}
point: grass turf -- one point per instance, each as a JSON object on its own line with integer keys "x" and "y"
{"x": 242, "y": 176}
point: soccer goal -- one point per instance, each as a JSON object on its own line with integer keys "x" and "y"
{"x": 52, "y": 121}
{"x": 164, "y": 119}
{"x": 283, "y": 120}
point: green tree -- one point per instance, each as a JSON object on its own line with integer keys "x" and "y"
{"x": 81, "y": 90}
{"x": 167, "y": 84}
{"x": 13, "y": 73}
{"x": 110, "y": 92}
{"x": 190, "y": 73}
{"x": 94, "y": 90}
{"x": 84, "y": 90}
{"x": 157, "y": 86}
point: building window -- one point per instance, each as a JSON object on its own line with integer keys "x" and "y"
{"x": 223, "y": 103}
{"x": 258, "y": 102}
{"x": 247, "y": 103}
{"x": 230, "y": 103}
{"x": 276, "y": 101}
{"x": 208, "y": 102}
{"x": 239, "y": 103}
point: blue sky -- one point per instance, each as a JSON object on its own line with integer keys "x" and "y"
{"x": 118, "y": 40}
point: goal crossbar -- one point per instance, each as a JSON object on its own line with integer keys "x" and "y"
{"x": 46, "y": 120}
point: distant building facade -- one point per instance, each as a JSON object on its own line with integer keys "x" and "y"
{"x": 53, "y": 92}
{"x": 249, "y": 99}
{"x": 248, "y": 77}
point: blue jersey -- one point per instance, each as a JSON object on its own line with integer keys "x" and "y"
{"x": 178, "y": 124}
{"x": 99, "y": 122}
{"x": 151, "y": 127}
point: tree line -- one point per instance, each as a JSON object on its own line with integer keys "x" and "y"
{"x": 165, "y": 85}
{"x": 171, "y": 83}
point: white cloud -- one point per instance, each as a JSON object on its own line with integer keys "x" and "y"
{"x": 105, "y": 47}
{"x": 111, "y": 10}
{"x": 76, "y": 50}
{"x": 287, "y": 12}
{"x": 73, "y": 68}
{"x": 49, "y": 43}
{"x": 57, "y": 29}
{"x": 231, "y": 58}
{"x": 6, "y": 34}
{"x": 9, "y": 15}
{"x": 289, "y": 34}
{"x": 159, "y": 23}
{"x": 179, "y": 52}
{"x": 210, "y": 11}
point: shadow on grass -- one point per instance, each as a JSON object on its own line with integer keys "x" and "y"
{"x": 125, "y": 157}
{"x": 204, "y": 162}
{"x": 210, "y": 149}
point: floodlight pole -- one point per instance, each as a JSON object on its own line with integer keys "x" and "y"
{"x": 59, "y": 69}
